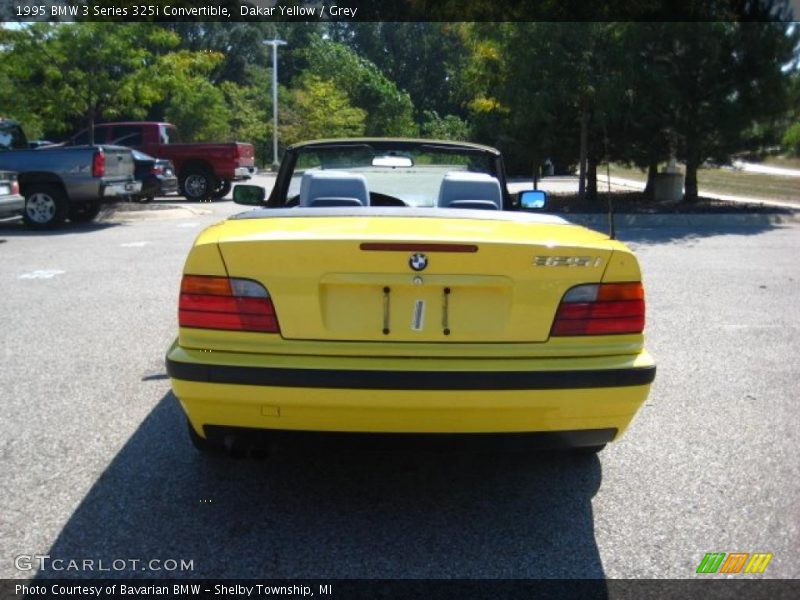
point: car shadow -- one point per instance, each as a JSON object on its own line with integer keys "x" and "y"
{"x": 15, "y": 227}
{"x": 333, "y": 507}
{"x": 182, "y": 200}
{"x": 662, "y": 235}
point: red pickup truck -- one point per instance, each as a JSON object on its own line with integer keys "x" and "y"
{"x": 205, "y": 171}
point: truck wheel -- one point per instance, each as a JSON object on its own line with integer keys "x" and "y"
{"x": 223, "y": 188}
{"x": 198, "y": 184}
{"x": 45, "y": 206}
{"x": 84, "y": 211}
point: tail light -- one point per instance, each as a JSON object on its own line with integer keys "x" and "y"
{"x": 157, "y": 170}
{"x": 226, "y": 303}
{"x": 99, "y": 164}
{"x": 14, "y": 186}
{"x": 601, "y": 309}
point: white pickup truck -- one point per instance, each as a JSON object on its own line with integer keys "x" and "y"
{"x": 60, "y": 183}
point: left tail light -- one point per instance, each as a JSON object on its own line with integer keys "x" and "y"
{"x": 600, "y": 309}
{"x": 226, "y": 303}
{"x": 99, "y": 164}
{"x": 14, "y": 186}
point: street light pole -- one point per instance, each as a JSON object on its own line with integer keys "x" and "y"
{"x": 275, "y": 43}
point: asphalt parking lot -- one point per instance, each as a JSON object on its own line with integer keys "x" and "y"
{"x": 96, "y": 462}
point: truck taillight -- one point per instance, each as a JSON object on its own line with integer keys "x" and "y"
{"x": 600, "y": 309}
{"x": 14, "y": 186}
{"x": 226, "y": 303}
{"x": 99, "y": 164}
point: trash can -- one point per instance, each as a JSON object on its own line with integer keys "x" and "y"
{"x": 668, "y": 187}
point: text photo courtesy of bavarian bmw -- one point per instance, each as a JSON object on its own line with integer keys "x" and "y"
{"x": 393, "y": 285}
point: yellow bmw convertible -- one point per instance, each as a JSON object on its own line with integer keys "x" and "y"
{"x": 396, "y": 286}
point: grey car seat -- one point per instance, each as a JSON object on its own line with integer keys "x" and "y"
{"x": 333, "y": 188}
{"x": 462, "y": 189}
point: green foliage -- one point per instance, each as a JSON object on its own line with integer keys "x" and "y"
{"x": 389, "y": 111}
{"x": 319, "y": 109}
{"x": 791, "y": 139}
{"x": 78, "y": 73}
{"x": 644, "y": 90}
{"x": 190, "y": 100}
{"x": 449, "y": 127}
{"x": 422, "y": 58}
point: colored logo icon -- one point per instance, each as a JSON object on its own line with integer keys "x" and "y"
{"x": 734, "y": 562}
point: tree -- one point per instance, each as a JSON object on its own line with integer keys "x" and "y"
{"x": 422, "y": 58}
{"x": 729, "y": 77}
{"x": 449, "y": 127}
{"x": 389, "y": 111}
{"x": 319, "y": 109}
{"x": 84, "y": 71}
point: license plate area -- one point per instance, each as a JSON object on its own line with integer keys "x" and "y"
{"x": 416, "y": 308}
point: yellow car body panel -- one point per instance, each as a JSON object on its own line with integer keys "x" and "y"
{"x": 498, "y": 295}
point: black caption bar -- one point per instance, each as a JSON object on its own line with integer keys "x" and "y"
{"x": 394, "y": 10}
{"x": 405, "y": 589}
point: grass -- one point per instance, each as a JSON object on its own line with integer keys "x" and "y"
{"x": 787, "y": 162}
{"x": 727, "y": 181}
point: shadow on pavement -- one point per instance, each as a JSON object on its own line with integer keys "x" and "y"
{"x": 16, "y": 228}
{"x": 322, "y": 507}
{"x": 659, "y": 235}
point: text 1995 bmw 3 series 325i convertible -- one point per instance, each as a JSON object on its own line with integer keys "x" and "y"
{"x": 395, "y": 286}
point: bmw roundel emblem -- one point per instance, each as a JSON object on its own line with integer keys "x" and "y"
{"x": 418, "y": 261}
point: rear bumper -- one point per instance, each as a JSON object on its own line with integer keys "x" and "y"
{"x": 240, "y": 173}
{"x": 120, "y": 188}
{"x": 158, "y": 186}
{"x": 357, "y": 395}
{"x": 246, "y": 436}
{"x": 11, "y": 205}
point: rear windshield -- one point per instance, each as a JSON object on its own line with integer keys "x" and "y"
{"x": 396, "y": 176}
{"x": 12, "y": 137}
{"x": 169, "y": 135}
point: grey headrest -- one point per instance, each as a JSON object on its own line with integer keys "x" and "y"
{"x": 462, "y": 189}
{"x": 333, "y": 188}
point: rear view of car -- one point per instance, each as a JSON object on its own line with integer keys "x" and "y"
{"x": 156, "y": 175}
{"x": 390, "y": 286}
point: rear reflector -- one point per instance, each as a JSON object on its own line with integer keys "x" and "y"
{"x": 601, "y": 309}
{"x": 226, "y": 303}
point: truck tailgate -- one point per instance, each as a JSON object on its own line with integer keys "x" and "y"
{"x": 119, "y": 163}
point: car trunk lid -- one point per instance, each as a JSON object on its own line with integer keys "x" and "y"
{"x": 429, "y": 279}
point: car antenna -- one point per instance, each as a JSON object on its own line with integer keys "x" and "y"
{"x": 612, "y": 230}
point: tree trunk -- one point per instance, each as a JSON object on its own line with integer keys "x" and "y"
{"x": 649, "y": 189}
{"x": 584, "y": 144}
{"x": 91, "y": 126}
{"x": 591, "y": 179}
{"x": 690, "y": 185}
